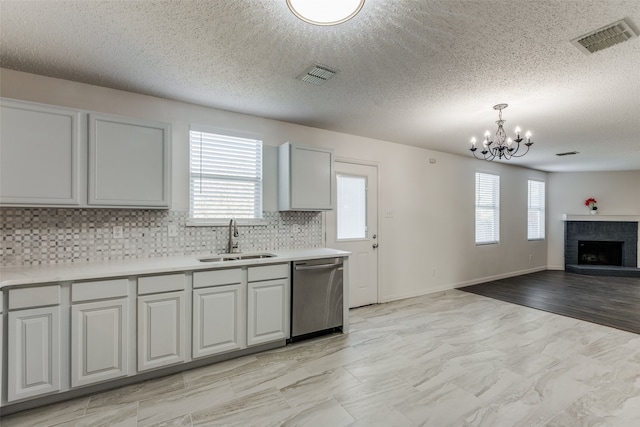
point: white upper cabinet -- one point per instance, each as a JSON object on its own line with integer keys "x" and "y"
{"x": 304, "y": 178}
{"x": 128, "y": 162}
{"x": 54, "y": 156}
{"x": 39, "y": 161}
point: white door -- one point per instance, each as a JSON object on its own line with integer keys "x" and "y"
{"x": 99, "y": 341}
{"x": 353, "y": 227}
{"x": 34, "y": 352}
{"x": 161, "y": 330}
{"x": 216, "y": 320}
{"x": 268, "y": 308}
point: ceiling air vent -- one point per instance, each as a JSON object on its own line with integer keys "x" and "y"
{"x": 605, "y": 37}
{"x": 317, "y": 75}
{"x": 568, "y": 153}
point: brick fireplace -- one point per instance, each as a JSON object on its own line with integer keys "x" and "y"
{"x": 612, "y": 243}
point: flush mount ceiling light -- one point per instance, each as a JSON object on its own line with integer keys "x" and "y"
{"x": 502, "y": 147}
{"x": 325, "y": 12}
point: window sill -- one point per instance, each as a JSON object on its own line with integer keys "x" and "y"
{"x": 225, "y": 223}
{"x": 486, "y": 243}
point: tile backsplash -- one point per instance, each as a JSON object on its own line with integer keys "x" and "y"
{"x": 45, "y": 236}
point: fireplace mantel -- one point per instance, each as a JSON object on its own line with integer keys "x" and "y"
{"x": 623, "y": 218}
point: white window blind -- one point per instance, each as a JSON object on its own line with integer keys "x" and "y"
{"x": 487, "y": 208}
{"x": 225, "y": 177}
{"x": 536, "y": 210}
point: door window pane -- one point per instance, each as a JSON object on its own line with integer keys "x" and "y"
{"x": 351, "y": 211}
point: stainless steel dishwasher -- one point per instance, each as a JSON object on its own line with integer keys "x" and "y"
{"x": 316, "y": 297}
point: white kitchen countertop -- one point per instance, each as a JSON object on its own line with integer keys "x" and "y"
{"x": 13, "y": 276}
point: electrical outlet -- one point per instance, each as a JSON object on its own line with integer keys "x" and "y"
{"x": 172, "y": 230}
{"x": 296, "y": 229}
{"x": 118, "y": 232}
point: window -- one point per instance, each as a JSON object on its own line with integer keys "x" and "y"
{"x": 351, "y": 209}
{"x": 487, "y": 208}
{"x": 535, "y": 220}
{"x": 225, "y": 177}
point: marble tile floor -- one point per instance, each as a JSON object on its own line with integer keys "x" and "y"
{"x": 445, "y": 359}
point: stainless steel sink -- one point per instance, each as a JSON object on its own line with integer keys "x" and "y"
{"x": 236, "y": 257}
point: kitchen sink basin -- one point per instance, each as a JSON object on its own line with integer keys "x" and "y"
{"x": 235, "y": 257}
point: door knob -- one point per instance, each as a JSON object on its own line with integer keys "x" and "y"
{"x": 375, "y": 245}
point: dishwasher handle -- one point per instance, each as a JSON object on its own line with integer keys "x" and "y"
{"x": 317, "y": 267}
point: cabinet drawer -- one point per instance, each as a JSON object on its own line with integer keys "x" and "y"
{"x": 101, "y": 289}
{"x": 36, "y": 296}
{"x": 203, "y": 279}
{"x": 156, "y": 284}
{"x": 268, "y": 272}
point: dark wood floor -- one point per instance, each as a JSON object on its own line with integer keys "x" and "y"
{"x": 605, "y": 300}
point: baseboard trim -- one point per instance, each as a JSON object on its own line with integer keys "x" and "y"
{"x": 498, "y": 277}
{"x": 451, "y": 286}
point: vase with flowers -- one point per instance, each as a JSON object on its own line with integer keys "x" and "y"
{"x": 591, "y": 203}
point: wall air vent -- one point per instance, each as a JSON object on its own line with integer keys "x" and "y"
{"x": 317, "y": 75}
{"x": 568, "y": 153}
{"x": 605, "y": 37}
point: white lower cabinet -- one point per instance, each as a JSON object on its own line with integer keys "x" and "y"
{"x": 99, "y": 341}
{"x": 217, "y": 320}
{"x": 268, "y": 304}
{"x": 1, "y": 350}
{"x": 33, "y": 352}
{"x": 161, "y": 330}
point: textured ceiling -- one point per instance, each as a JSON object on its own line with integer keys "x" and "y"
{"x": 416, "y": 72}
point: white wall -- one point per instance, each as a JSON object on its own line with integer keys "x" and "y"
{"x": 429, "y": 243}
{"x": 617, "y": 193}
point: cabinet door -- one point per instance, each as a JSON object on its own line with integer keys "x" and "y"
{"x": 161, "y": 330}
{"x": 1, "y": 341}
{"x": 217, "y": 320}
{"x": 99, "y": 341}
{"x": 268, "y": 311}
{"x": 34, "y": 352}
{"x": 305, "y": 178}
{"x": 129, "y": 162}
{"x": 311, "y": 178}
{"x": 39, "y": 162}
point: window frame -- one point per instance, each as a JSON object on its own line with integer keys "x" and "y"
{"x": 540, "y": 210}
{"x": 494, "y": 207}
{"x": 259, "y": 198}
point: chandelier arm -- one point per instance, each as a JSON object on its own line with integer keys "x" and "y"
{"x": 528, "y": 145}
{"x": 491, "y": 156}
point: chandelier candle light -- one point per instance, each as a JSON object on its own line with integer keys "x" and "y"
{"x": 502, "y": 147}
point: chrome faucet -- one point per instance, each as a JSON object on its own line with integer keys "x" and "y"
{"x": 233, "y": 232}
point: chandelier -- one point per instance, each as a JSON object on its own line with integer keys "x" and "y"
{"x": 502, "y": 147}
